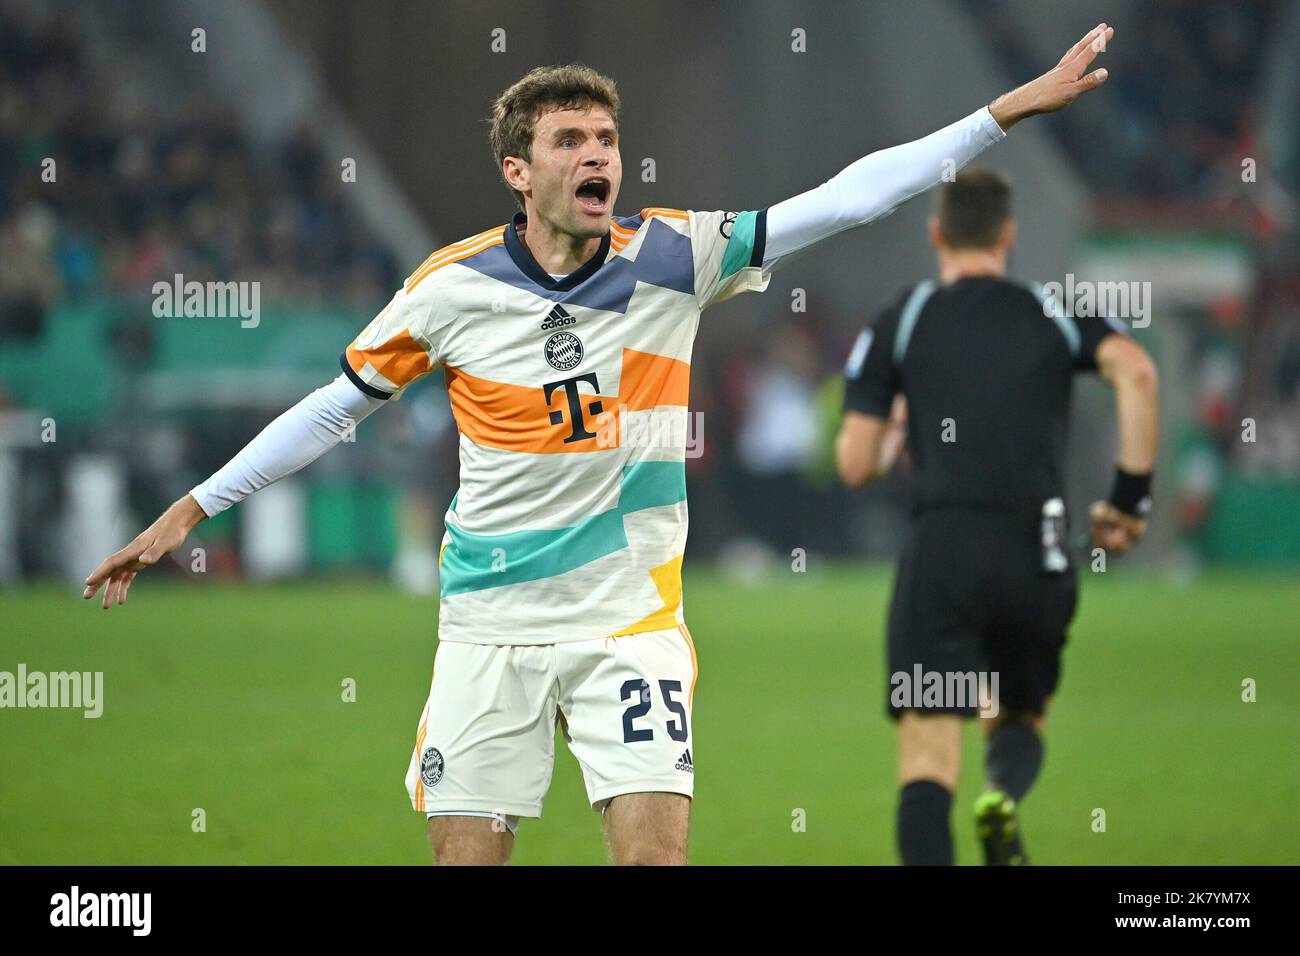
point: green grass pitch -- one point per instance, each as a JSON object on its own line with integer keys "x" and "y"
{"x": 228, "y": 698}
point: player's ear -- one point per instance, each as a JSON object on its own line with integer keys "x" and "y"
{"x": 936, "y": 234}
{"x": 515, "y": 171}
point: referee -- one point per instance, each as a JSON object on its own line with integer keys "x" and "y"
{"x": 973, "y": 373}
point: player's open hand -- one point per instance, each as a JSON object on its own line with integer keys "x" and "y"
{"x": 1059, "y": 86}
{"x": 162, "y": 537}
{"x": 1114, "y": 530}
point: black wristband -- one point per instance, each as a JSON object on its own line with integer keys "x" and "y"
{"x": 1131, "y": 493}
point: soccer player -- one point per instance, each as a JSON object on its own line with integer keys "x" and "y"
{"x": 977, "y": 370}
{"x": 565, "y": 337}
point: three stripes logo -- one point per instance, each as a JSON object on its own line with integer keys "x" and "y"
{"x": 684, "y": 762}
{"x": 557, "y": 318}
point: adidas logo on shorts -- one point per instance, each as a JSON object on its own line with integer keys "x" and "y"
{"x": 558, "y": 318}
{"x": 684, "y": 762}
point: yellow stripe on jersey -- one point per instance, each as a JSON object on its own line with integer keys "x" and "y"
{"x": 668, "y": 582}
{"x": 419, "y": 747}
{"x": 695, "y": 664}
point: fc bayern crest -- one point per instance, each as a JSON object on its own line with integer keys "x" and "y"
{"x": 431, "y": 765}
{"x": 564, "y": 351}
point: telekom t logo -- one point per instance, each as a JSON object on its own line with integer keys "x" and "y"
{"x": 576, "y": 414}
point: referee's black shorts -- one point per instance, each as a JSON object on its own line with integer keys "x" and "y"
{"x": 972, "y": 595}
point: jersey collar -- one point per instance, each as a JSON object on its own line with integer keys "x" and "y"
{"x": 529, "y": 267}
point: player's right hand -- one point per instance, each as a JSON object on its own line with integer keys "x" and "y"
{"x": 1114, "y": 530}
{"x": 162, "y": 537}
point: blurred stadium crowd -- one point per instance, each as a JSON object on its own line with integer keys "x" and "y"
{"x": 154, "y": 188}
{"x": 151, "y": 189}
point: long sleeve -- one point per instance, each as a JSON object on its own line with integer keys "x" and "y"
{"x": 875, "y": 185}
{"x": 293, "y": 441}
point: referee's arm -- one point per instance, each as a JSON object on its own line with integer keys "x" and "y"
{"x": 1128, "y": 369}
{"x": 1119, "y": 523}
{"x": 874, "y": 428}
{"x": 868, "y": 446}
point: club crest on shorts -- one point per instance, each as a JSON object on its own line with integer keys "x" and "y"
{"x": 431, "y": 766}
{"x": 564, "y": 351}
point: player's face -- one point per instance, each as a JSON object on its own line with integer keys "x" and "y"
{"x": 576, "y": 170}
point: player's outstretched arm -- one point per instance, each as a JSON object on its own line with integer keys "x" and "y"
{"x": 293, "y": 441}
{"x": 878, "y": 183}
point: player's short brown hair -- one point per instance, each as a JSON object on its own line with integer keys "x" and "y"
{"x": 972, "y": 208}
{"x": 542, "y": 89}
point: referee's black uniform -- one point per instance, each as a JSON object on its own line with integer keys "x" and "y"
{"x": 985, "y": 582}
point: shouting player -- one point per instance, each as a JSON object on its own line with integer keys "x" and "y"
{"x": 565, "y": 337}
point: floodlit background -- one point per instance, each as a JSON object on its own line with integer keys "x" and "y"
{"x": 133, "y": 149}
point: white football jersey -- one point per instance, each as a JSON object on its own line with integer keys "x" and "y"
{"x": 570, "y": 397}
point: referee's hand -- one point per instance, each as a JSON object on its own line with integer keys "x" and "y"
{"x": 1114, "y": 530}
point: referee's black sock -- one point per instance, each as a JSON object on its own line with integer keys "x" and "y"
{"x": 1013, "y": 758}
{"x": 924, "y": 838}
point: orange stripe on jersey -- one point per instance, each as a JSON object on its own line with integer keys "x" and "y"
{"x": 401, "y": 360}
{"x": 448, "y": 259}
{"x": 518, "y": 418}
{"x": 651, "y": 380}
{"x": 620, "y": 237}
{"x": 459, "y": 251}
{"x": 664, "y": 212}
{"x": 521, "y": 419}
{"x": 460, "y": 244}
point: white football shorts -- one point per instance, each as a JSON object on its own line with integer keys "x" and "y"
{"x": 486, "y": 739}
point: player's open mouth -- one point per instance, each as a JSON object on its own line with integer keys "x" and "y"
{"x": 593, "y": 194}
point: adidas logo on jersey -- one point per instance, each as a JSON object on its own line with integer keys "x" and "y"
{"x": 557, "y": 318}
{"x": 684, "y": 762}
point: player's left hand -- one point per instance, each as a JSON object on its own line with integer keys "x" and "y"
{"x": 1059, "y": 86}
{"x": 1114, "y": 530}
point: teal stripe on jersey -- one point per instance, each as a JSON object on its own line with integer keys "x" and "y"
{"x": 476, "y": 562}
{"x": 740, "y": 248}
{"x": 652, "y": 484}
